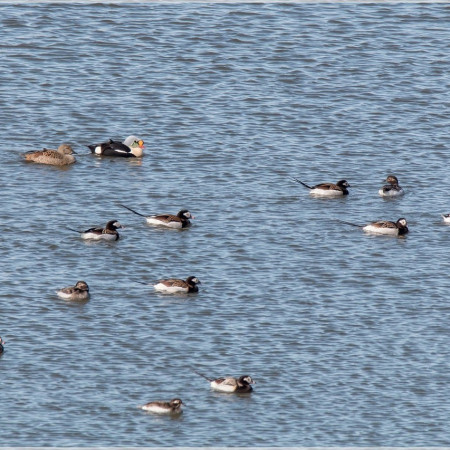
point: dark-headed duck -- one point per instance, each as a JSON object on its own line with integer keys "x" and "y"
{"x": 327, "y": 189}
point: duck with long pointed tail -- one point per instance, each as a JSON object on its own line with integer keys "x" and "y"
{"x": 61, "y": 157}
{"x": 180, "y": 220}
{"x": 230, "y": 384}
{"x": 327, "y": 189}
{"x": 177, "y": 286}
{"x": 162, "y": 407}
{"x": 131, "y": 147}
{"x": 108, "y": 233}
{"x": 399, "y": 228}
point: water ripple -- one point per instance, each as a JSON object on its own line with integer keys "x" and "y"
{"x": 345, "y": 333}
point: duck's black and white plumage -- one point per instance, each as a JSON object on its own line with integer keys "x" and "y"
{"x": 161, "y": 407}
{"x": 327, "y": 189}
{"x": 131, "y": 147}
{"x": 109, "y": 233}
{"x": 446, "y": 218}
{"x": 398, "y": 228}
{"x": 61, "y": 157}
{"x": 391, "y": 189}
{"x": 177, "y": 286}
{"x": 78, "y": 292}
{"x": 231, "y": 384}
{"x": 2, "y": 349}
{"x": 181, "y": 220}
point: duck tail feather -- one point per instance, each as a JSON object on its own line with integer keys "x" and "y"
{"x": 73, "y": 229}
{"x": 203, "y": 376}
{"x": 301, "y": 182}
{"x": 132, "y": 210}
{"x": 350, "y": 223}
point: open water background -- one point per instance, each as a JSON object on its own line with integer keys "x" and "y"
{"x": 346, "y": 335}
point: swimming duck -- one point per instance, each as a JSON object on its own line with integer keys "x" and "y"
{"x": 327, "y": 189}
{"x": 230, "y": 384}
{"x": 131, "y": 147}
{"x": 158, "y": 407}
{"x": 174, "y": 285}
{"x": 61, "y": 157}
{"x": 78, "y": 292}
{"x": 398, "y": 228}
{"x": 392, "y": 188}
{"x": 109, "y": 233}
{"x": 181, "y": 220}
{"x": 2, "y": 349}
{"x": 446, "y": 218}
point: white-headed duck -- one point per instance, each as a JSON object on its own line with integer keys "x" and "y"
{"x": 231, "y": 384}
{"x": 161, "y": 407}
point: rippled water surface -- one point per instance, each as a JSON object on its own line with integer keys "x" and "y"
{"x": 346, "y": 334}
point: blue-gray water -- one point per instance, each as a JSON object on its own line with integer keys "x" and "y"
{"x": 346, "y": 335}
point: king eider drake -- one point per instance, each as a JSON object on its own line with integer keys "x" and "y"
{"x": 327, "y": 189}
{"x": 78, "y": 292}
{"x": 2, "y": 349}
{"x": 398, "y": 228}
{"x": 176, "y": 286}
{"x": 181, "y": 220}
{"x": 231, "y": 384}
{"x": 391, "y": 189}
{"x": 109, "y": 233}
{"x": 158, "y": 407}
{"x": 131, "y": 147}
{"x": 61, "y": 157}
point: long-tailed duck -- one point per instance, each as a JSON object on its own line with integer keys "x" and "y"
{"x": 398, "y": 228}
{"x": 78, "y": 292}
{"x": 181, "y": 220}
{"x": 109, "y": 233}
{"x": 230, "y": 384}
{"x": 159, "y": 407}
{"x": 327, "y": 189}
{"x": 391, "y": 189}
{"x": 175, "y": 285}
